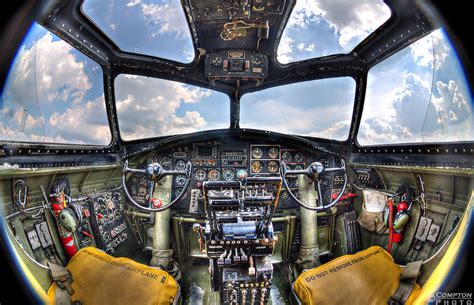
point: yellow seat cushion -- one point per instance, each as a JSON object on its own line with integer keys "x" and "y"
{"x": 102, "y": 279}
{"x": 367, "y": 277}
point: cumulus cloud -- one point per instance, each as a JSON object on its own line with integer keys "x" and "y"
{"x": 148, "y": 107}
{"x": 337, "y": 131}
{"x": 165, "y": 18}
{"x": 285, "y": 50}
{"x": 352, "y": 20}
{"x": 421, "y": 115}
{"x": 296, "y": 119}
{"x": 59, "y": 76}
{"x": 84, "y": 123}
{"x": 60, "y": 112}
{"x": 430, "y": 51}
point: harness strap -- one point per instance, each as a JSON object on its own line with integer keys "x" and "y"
{"x": 407, "y": 283}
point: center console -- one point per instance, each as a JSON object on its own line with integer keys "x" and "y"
{"x": 238, "y": 237}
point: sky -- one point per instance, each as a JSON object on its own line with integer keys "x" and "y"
{"x": 55, "y": 94}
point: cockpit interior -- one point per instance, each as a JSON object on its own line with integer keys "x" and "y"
{"x": 234, "y": 152}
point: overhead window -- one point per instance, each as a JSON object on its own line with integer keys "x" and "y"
{"x": 318, "y": 108}
{"x": 418, "y": 95}
{"x": 156, "y": 28}
{"x": 325, "y": 27}
{"x": 53, "y": 94}
{"x": 151, "y": 107}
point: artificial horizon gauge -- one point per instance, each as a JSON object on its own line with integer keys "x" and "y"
{"x": 200, "y": 175}
{"x": 257, "y": 153}
{"x": 273, "y": 167}
{"x": 242, "y": 174}
{"x": 216, "y": 61}
{"x": 180, "y": 180}
{"x": 166, "y": 162}
{"x": 213, "y": 175}
{"x": 228, "y": 174}
{"x": 299, "y": 157}
{"x": 257, "y": 166}
{"x": 273, "y": 153}
{"x": 286, "y": 156}
{"x": 180, "y": 165}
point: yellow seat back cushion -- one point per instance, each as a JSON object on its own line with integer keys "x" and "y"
{"x": 367, "y": 277}
{"x": 102, "y": 279}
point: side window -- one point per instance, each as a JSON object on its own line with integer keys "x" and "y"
{"x": 53, "y": 94}
{"x": 418, "y": 95}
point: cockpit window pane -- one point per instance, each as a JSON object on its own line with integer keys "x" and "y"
{"x": 418, "y": 95}
{"x": 318, "y": 108}
{"x": 155, "y": 28}
{"x": 151, "y": 107}
{"x": 325, "y": 27}
{"x": 53, "y": 94}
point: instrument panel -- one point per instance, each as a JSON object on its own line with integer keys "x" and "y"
{"x": 229, "y": 160}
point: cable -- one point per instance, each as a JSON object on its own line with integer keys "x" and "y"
{"x": 37, "y": 99}
{"x": 431, "y": 91}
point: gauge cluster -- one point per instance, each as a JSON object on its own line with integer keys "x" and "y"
{"x": 227, "y": 160}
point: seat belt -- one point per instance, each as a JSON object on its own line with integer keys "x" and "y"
{"x": 63, "y": 278}
{"x": 407, "y": 283}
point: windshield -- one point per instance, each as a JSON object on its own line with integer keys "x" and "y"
{"x": 156, "y": 28}
{"x": 420, "y": 94}
{"x": 151, "y": 107}
{"x": 53, "y": 94}
{"x": 320, "y": 27}
{"x": 318, "y": 108}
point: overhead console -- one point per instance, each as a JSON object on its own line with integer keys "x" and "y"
{"x": 236, "y": 64}
{"x": 211, "y": 10}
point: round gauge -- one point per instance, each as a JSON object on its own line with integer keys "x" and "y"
{"x": 286, "y": 156}
{"x": 180, "y": 180}
{"x": 257, "y": 153}
{"x": 228, "y": 174}
{"x": 273, "y": 153}
{"x": 177, "y": 192}
{"x": 180, "y": 165}
{"x": 299, "y": 167}
{"x": 257, "y": 166}
{"x": 273, "y": 167}
{"x": 200, "y": 175}
{"x": 216, "y": 61}
{"x": 285, "y": 196}
{"x": 242, "y": 174}
{"x": 142, "y": 191}
{"x": 166, "y": 162}
{"x": 299, "y": 157}
{"x": 214, "y": 174}
{"x": 256, "y": 60}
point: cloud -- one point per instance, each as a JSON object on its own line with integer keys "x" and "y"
{"x": 149, "y": 107}
{"x": 85, "y": 123}
{"x": 61, "y": 113}
{"x": 285, "y": 50}
{"x": 352, "y": 20}
{"x": 420, "y": 115}
{"x": 338, "y": 131}
{"x": 430, "y": 51}
{"x": 165, "y": 18}
{"x": 60, "y": 76}
{"x": 133, "y": 3}
{"x": 296, "y": 119}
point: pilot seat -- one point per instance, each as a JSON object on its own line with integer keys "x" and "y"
{"x": 368, "y": 277}
{"x": 94, "y": 277}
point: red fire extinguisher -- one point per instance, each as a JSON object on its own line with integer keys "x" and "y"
{"x": 65, "y": 226}
{"x": 397, "y": 221}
